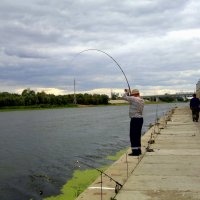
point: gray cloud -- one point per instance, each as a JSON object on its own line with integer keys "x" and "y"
{"x": 155, "y": 42}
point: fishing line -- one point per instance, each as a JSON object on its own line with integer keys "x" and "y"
{"x": 109, "y": 57}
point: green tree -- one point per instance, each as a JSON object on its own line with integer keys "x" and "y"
{"x": 43, "y": 98}
{"x": 29, "y": 97}
{"x": 167, "y": 98}
{"x": 114, "y": 96}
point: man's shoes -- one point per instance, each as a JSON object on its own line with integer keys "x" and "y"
{"x": 135, "y": 152}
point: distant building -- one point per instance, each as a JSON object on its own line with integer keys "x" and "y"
{"x": 198, "y": 89}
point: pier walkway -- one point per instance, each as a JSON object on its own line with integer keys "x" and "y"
{"x": 168, "y": 169}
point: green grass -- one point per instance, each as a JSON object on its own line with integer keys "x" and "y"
{"x": 45, "y": 107}
{"x": 39, "y": 107}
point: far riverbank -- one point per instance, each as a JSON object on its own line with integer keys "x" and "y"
{"x": 46, "y": 107}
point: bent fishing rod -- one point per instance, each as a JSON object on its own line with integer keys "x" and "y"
{"x": 112, "y": 59}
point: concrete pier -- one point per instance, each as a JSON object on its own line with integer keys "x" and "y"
{"x": 168, "y": 169}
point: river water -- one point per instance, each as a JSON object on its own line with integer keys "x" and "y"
{"x": 38, "y": 148}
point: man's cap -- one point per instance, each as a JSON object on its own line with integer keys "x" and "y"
{"x": 135, "y": 91}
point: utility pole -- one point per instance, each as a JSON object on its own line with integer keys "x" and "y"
{"x": 75, "y": 101}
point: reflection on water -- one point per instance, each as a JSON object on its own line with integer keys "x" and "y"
{"x": 39, "y": 148}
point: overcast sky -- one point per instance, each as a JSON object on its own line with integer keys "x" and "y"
{"x": 156, "y": 43}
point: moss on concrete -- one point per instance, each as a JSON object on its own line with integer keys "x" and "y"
{"x": 81, "y": 180}
{"x": 117, "y": 155}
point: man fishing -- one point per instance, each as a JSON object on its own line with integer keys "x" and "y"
{"x": 194, "y": 106}
{"x": 135, "y": 113}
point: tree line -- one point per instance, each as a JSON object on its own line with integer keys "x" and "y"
{"x": 30, "y": 98}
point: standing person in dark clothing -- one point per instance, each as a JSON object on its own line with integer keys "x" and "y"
{"x": 194, "y": 106}
{"x": 135, "y": 113}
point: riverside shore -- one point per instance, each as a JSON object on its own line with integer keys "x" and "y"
{"x": 167, "y": 169}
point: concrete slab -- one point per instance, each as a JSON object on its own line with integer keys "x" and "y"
{"x": 177, "y": 152}
{"x": 159, "y": 195}
{"x": 171, "y": 159}
{"x": 167, "y": 169}
{"x": 148, "y": 182}
{"x": 179, "y": 132}
{"x": 172, "y": 145}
